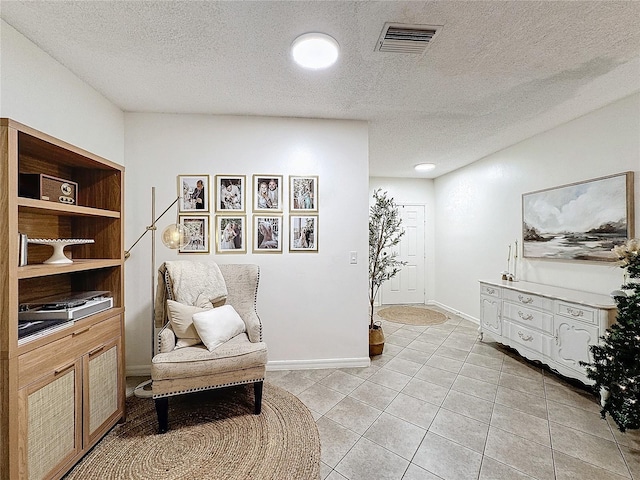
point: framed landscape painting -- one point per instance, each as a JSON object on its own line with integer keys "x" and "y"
{"x": 580, "y": 221}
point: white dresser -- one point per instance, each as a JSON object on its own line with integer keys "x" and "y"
{"x": 551, "y": 324}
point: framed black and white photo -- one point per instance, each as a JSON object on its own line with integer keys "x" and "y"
{"x": 579, "y": 221}
{"x": 303, "y": 233}
{"x": 193, "y": 191}
{"x": 303, "y": 193}
{"x": 267, "y": 193}
{"x": 230, "y": 193}
{"x": 267, "y": 234}
{"x": 231, "y": 234}
{"x": 198, "y": 229}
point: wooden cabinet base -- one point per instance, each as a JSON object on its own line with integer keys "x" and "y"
{"x": 63, "y": 388}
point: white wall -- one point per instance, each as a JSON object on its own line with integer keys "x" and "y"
{"x": 414, "y": 191}
{"x": 313, "y": 306}
{"x": 478, "y": 208}
{"x": 39, "y": 92}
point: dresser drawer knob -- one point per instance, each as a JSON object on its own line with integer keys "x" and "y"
{"x": 526, "y": 338}
{"x": 525, "y": 316}
{"x": 490, "y": 291}
{"x": 575, "y": 313}
{"x": 525, "y": 299}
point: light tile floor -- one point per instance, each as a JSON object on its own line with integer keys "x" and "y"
{"x": 439, "y": 404}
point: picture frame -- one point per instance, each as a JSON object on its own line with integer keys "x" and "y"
{"x": 267, "y": 234}
{"x": 231, "y": 236}
{"x": 198, "y": 228}
{"x": 230, "y": 193}
{"x": 303, "y": 193}
{"x": 193, "y": 193}
{"x": 580, "y": 221}
{"x": 267, "y": 193}
{"x": 303, "y": 233}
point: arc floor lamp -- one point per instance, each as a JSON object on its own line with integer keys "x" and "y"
{"x": 173, "y": 236}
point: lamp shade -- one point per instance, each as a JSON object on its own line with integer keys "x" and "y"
{"x": 175, "y": 236}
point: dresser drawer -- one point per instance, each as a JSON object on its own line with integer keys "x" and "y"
{"x": 85, "y": 339}
{"x": 528, "y": 317}
{"x": 490, "y": 290}
{"x": 58, "y": 354}
{"x": 53, "y": 356}
{"x": 577, "y": 312}
{"x": 529, "y": 300}
{"x": 528, "y": 337}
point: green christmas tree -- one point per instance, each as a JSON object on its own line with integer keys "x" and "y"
{"x": 616, "y": 361}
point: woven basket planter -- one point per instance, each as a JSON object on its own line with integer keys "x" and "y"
{"x": 376, "y": 340}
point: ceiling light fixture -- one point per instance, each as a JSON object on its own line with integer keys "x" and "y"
{"x": 424, "y": 167}
{"x": 315, "y": 51}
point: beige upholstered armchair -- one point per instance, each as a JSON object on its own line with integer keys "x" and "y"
{"x": 177, "y": 370}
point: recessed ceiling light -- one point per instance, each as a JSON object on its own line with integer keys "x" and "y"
{"x": 424, "y": 167}
{"x": 315, "y": 50}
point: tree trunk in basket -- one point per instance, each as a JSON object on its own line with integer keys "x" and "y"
{"x": 376, "y": 341}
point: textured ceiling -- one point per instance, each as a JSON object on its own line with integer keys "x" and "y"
{"x": 497, "y": 73}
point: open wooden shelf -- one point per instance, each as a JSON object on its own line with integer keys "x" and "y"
{"x": 35, "y": 206}
{"x": 91, "y": 386}
{"x": 42, "y": 270}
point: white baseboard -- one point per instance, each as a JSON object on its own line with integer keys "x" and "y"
{"x": 320, "y": 363}
{"x": 138, "y": 371}
{"x": 454, "y": 311}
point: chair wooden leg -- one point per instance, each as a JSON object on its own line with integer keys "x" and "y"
{"x": 162, "y": 409}
{"x": 257, "y": 393}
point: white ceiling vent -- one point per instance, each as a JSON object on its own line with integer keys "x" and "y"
{"x": 402, "y": 38}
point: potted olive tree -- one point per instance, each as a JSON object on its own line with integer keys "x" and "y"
{"x": 384, "y": 233}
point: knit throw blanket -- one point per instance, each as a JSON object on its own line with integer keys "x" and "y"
{"x": 193, "y": 283}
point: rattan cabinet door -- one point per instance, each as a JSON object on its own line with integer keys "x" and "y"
{"x": 50, "y": 419}
{"x": 101, "y": 386}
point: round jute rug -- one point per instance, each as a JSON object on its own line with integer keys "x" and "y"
{"x": 412, "y": 315}
{"x": 212, "y": 435}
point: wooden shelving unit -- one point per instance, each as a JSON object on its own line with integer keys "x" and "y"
{"x": 60, "y": 392}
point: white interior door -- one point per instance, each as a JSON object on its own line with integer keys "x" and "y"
{"x": 408, "y": 285}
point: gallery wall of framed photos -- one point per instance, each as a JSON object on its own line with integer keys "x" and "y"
{"x": 276, "y": 219}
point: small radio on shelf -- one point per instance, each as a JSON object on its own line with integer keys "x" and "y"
{"x": 48, "y": 188}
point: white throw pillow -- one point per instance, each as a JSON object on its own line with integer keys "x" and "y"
{"x": 218, "y": 325}
{"x": 182, "y": 324}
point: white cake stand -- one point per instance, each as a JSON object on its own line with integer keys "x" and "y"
{"x": 58, "y": 257}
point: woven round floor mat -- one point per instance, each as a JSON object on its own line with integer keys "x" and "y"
{"x": 212, "y": 435}
{"x": 412, "y": 315}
